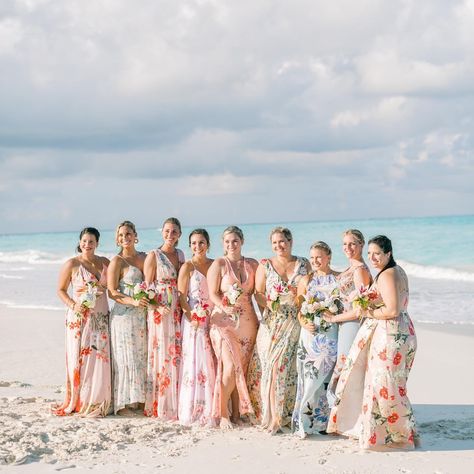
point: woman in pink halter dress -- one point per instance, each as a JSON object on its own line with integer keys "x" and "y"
{"x": 88, "y": 373}
{"x": 164, "y": 325}
{"x": 197, "y": 371}
{"x": 234, "y": 327}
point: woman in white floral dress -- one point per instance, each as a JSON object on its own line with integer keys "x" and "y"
{"x": 272, "y": 373}
{"x": 197, "y": 371}
{"x": 127, "y": 323}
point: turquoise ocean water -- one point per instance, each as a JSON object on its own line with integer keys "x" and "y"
{"x": 435, "y": 252}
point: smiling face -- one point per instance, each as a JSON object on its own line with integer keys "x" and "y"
{"x": 319, "y": 260}
{"x": 88, "y": 244}
{"x": 352, "y": 247}
{"x": 126, "y": 237}
{"x": 280, "y": 244}
{"x": 171, "y": 234}
{"x": 377, "y": 257}
{"x": 232, "y": 244}
{"x": 198, "y": 245}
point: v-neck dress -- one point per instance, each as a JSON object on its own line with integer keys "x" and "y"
{"x": 237, "y": 339}
{"x": 272, "y": 374}
{"x": 164, "y": 342}
{"x": 88, "y": 374}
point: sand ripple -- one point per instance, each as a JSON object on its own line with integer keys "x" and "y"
{"x": 30, "y": 433}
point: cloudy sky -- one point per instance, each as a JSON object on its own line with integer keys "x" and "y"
{"x": 220, "y": 111}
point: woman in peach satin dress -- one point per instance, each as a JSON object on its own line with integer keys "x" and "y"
{"x": 233, "y": 328}
{"x": 88, "y": 372}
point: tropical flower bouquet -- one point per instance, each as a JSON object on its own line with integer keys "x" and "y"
{"x": 88, "y": 294}
{"x": 200, "y": 313}
{"x": 277, "y": 291}
{"x": 142, "y": 290}
{"x": 312, "y": 308}
{"x": 366, "y": 298}
{"x": 230, "y": 298}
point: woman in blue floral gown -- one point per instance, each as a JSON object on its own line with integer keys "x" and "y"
{"x": 317, "y": 347}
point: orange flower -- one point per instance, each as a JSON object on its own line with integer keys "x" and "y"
{"x": 402, "y": 391}
{"x": 383, "y": 355}
{"x": 393, "y": 418}
{"x": 334, "y": 418}
{"x": 373, "y": 438}
{"x": 384, "y": 393}
{"x": 397, "y": 358}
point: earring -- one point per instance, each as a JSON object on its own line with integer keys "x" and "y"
{"x": 136, "y": 240}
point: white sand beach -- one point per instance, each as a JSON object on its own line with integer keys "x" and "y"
{"x": 441, "y": 388}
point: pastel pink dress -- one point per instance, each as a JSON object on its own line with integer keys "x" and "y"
{"x": 239, "y": 338}
{"x": 197, "y": 372}
{"x": 88, "y": 370}
{"x": 164, "y": 342}
{"x": 371, "y": 395}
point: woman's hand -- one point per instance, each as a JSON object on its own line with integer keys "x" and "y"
{"x": 309, "y": 326}
{"x": 329, "y": 317}
{"x": 141, "y": 303}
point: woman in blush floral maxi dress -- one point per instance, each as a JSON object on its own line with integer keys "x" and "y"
{"x": 127, "y": 323}
{"x": 197, "y": 371}
{"x": 88, "y": 374}
{"x": 233, "y": 328}
{"x": 371, "y": 396}
{"x": 350, "y": 281}
{"x": 272, "y": 374}
{"x": 164, "y": 325}
{"x": 317, "y": 347}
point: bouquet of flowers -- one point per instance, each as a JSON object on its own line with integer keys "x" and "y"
{"x": 200, "y": 312}
{"x": 88, "y": 294}
{"x": 142, "y": 290}
{"x": 231, "y": 297}
{"x": 366, "y": 298}
{"x": 276, "y": 292}
{"x": 312, "y": 308}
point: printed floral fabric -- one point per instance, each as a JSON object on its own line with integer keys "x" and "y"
{"x": 315, "y": 361}
{"x": 88, "y": 374}
{"x": 347, "y": 330}
{"x": 164, "y": 342}
{"x": 371, "y": 396}
{"x": 197, "y": 373}
{"x": 236, "y": 338}
{"x": 272, "y": 373}
{"x": 129, "y": 345}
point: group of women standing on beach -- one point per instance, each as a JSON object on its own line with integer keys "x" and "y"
{"x": 183, "y": 341}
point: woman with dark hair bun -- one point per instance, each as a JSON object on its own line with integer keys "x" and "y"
{"x": 88, "y": 377}
{"x": 371, "y": 396}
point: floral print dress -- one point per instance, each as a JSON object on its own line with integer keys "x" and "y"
{"x": 129, "y": 345}
{"x": 197, "y": 373}
{"x": 347, "y": 329}
{"x": 315, "y": 362}
{"x": 164, "y": 342}
{"x": 272, "y": 374}
{"x": 236, "y": 337}
{"x": 371, "y": 396}
{"x": 88, "y": 374}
